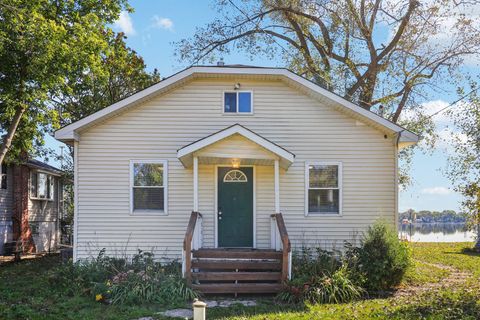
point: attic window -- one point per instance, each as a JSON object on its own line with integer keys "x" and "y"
{"x": 240, "y": 102}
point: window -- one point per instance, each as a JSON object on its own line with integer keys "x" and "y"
{"x": 42, "y": 186}
{"x": 3, "y": 177}
{"x": 149, "y": 181}
{"x": 324, "y": 187}
{"x": 235, "y": 176}
{"x": 238, "y": 102}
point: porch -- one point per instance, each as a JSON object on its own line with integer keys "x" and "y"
{"x": 235, "y": 264}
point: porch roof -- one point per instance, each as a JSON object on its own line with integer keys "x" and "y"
{"x": 268, "y": 154}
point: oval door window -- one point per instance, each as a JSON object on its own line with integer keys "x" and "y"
{"x": 235, "y": 176}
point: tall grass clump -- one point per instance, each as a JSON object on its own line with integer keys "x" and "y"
{"x": 319, "y": 277}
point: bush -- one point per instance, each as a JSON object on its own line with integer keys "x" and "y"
{"x": 335, "y": 288}
{"x": 119, "y": 281}
{"x": 382, "y": 258}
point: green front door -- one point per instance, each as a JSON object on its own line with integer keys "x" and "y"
{"x": 235, "y": 207}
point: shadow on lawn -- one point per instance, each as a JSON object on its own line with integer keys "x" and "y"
{"x": 443, "y": 305}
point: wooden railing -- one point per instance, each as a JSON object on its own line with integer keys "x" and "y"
{"x": 192, "y": 241}
{"x": 286, "y": 247}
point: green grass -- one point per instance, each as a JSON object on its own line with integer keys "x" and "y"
{"x": 28, "y": 291}
{"x": 421, "y": 273}
{"x": 456, "y": 255}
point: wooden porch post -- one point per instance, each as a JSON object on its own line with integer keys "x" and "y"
{"x": 277, "y": 187}
{"x": 195, "y": 184}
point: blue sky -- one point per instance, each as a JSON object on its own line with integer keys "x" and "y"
{"x": 153, "y": 27}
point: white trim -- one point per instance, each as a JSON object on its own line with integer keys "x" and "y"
{"x": 69, "y": 133}
{"x": 235, "y": 129}
{"x": 395, "y": 181}
{"x": 163, "y": 212}
{"x": 195, "y": 184}
{"x": 75, "y": 201}
{"x": 340, "y": 188}
{"x": 237, "y": 113}
{"x": 277, "y": 186}
{"x": 215, "y": 231}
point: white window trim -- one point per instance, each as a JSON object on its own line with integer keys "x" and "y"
{"x": 340, "y": 188}
{"x": 237, "y": 113}
{"x": 49, "y": 176}
{"x": 163, "y": 212}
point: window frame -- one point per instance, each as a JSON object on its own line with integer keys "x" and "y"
{"x": 339, "y": 164}
{"x": 238, "y": 97}
{"x": 163, "y": 212}
{"x": 50, "y": 192}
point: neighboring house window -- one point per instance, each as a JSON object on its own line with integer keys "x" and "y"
{"x": 238, "y": 102}
{"x": 3, "y": 177}
{"x": 42, "y": 186}
{"x": 149, "y": 184}
{"x": 324, "y": 187}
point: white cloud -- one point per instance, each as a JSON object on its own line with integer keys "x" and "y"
{"x": 125, "y": 24}
{"x": 447, "y": 135}
{"x": 436, "y": 191}
{"x": 162, "y": 23}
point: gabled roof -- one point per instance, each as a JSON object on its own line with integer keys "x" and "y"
{"x": 185, "y": 153}
{"x": 70, "y": 132}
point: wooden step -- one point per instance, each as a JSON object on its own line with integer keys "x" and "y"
{"x": 236, "y": 264}
{"x": 237, "y": 254}
{"x": 238, "y": 287}
{"x": 230, "y": 276}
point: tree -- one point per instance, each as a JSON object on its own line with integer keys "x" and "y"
{"x": 41, "y": 41}
{"x": 121, "y": 74}
{"x": 374, "y": 52}
{"x": 464, "y": 163}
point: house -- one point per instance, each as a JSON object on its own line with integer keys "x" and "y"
{"x": 266, "y": 160}
{"x": 30, "y": 207}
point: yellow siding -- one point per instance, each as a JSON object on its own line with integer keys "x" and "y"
{"x": 159, "y": 127}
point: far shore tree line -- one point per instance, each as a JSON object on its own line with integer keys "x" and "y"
{"x": 62, "y": 61}
{"x": 426, "y": 216}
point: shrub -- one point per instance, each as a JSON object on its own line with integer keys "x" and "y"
{"x": 382, "y": 258}
{"x": 113, "y": 280}
{"x": 335, "y": 288}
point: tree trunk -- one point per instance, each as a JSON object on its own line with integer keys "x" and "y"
{"x": 7, "y": 140}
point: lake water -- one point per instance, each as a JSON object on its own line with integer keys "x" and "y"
{"x": 436, "y": 232}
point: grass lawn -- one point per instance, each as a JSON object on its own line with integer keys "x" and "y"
{"x": 431, "y": 291}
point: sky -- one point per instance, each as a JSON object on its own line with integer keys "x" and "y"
{"x": 153, "y": 27}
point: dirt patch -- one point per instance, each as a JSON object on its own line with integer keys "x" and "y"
{"x": 454, "y": 279}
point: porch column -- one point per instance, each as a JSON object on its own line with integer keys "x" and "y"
{"x": 195, "y": 184}
{"x": 277, "y": 187}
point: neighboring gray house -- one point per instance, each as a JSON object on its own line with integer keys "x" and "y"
{"x": 30, "y": 207}
{"x": 262, "y": 156}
